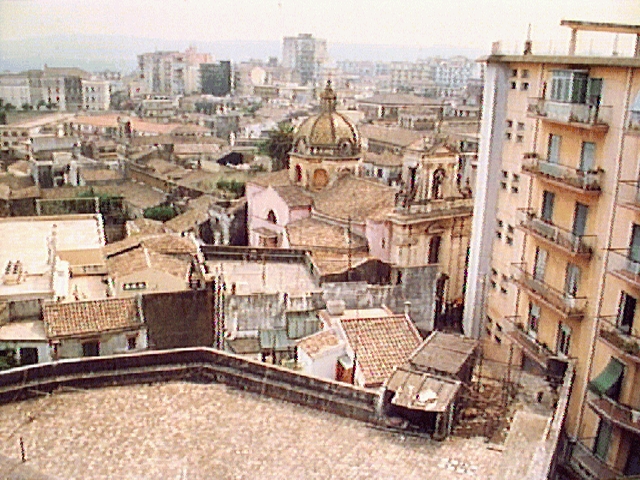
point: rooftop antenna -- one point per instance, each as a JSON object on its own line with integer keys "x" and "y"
{"x": 528, "y": 44}
{"x": 616, "y": 39}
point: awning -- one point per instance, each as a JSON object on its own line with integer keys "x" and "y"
{"x": 607, "y": 378}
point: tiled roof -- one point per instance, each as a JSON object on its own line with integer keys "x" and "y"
{"x": 386, "y": 159}
{"x": 99, "y": 175}
{"x": 380, "y": 344}
{"x": 331, "y": 263}
{"x": 275, "y": 179}
{"x": 196, "y": 214}
{"x": 355, "y": 197}
{"x": 143, "y": 226}
{"x": 89, "y": 318}
{"x": 399, "y": 99}
{"x": 310, "y": 232}
{"x": 318, "y": 343}
{"x": 137, "y": 194}
{"x": 400, "y": 137}
{"x": 294, "y": 196}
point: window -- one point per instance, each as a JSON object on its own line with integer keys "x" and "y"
{"x": 509, "y": 240}
{"x": 513, "y": 85}
{"x": 533, "y": 320}
{"x": 271, "y": 217}
{"x": 626, "y": 312}
{"x": 548, "y": 199}
{"x": 91, "y": 349}
{"x": 438, "y": 179}
{"x": 514, "y": 189}
{"x": 520, "y": 126}
{"x": 524, "y": 86}
{"x": 134, "y": 286}
{"x": 132, "y": 342}
{"x": 580, "y": 219}
{"x": 494, "y": 271}
{"x": 507, "y": 136}
{"x": 540, "y": 264}
{"x": 498, "y": 234}
{"x": 571, "y": 280}
{"x": 498, "y": 327}
{"x": 563, "y": 342}
{"x": 587, "y": 156}
{"x": 434, "y": 249}
{"x": 505, "y": 174}
{"x": 602, "y": 440}
{"x": 493, "y": 284}
{"x": 634, "y": 246}
{"x": 516, "y": 177}
{"x": 503, "y": 290}
{"x": 569, "y": 86}
{"x": 503, "y": 185}
{"x": 553, "y": 151}
{"x": 500, "y": 223}
{"x": 510, "y": 229}
{"x": 519, "y": 138}
{"x": 524, "y": 73}
{"x": 509, "y": 123}
{"x": 514, "y": 72}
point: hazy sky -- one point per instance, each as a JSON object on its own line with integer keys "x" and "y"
{"x": 460, "y": 23}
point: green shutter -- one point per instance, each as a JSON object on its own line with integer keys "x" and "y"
{"x": 607, "y": 378}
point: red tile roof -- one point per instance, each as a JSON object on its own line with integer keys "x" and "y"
{"x": 79, "y": 319}
{"x": 380, "y": 344}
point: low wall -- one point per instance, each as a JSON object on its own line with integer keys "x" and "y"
{"x": 200, "y": 364}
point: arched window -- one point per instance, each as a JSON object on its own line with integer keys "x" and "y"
{"x": 298, "y": 173}
{"x": 434, "y": 249}
{"x": 436, "y": 186}
{"x": 271, "y": 217}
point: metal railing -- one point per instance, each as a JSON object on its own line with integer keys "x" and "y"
{"x": 621, "y": 337}
{"x": 629, "y": 193}
{"x": 565, "y": 239}
{"x": 623, "y": 266}
{"x": 560, "y": 301}
{"x": 617, "y": 413}
{"x": 585, "y": 462}
{"x": 588, "y": 180}
{"x": 436, "y": 207}
{"x": 581, "y": 113}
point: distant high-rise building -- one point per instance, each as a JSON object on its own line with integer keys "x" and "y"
{"x": 216, "y": 78}
{"x": 304, "y": 55}
{"x": 171, "y": 73}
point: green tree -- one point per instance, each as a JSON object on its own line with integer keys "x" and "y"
{"x": 234, "y": 186}
{"x": 40, "y": 104}
{"x": 26, "y": 106}
{"x": 161, "y": 214}
{"x": 278, "y": 145}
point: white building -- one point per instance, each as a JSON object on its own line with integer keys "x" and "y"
{"x": 96, "y": 94}
{"x": 305, "y": 56}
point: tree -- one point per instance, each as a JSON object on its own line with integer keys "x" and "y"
{"x": 9, "y": 106}
{"x": 26, "y": 106}
{"x": 278, "y": 145}
{"x": 160, "y": 213}
{"x": 41, "y": 103}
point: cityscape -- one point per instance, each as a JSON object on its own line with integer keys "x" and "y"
{"x": 328, "y": 241}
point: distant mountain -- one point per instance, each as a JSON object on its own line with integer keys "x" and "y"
{"x": 100, "y": 52}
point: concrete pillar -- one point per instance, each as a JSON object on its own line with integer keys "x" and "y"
{"x": 573, "y": 41}
{"x": 486, "y": 194}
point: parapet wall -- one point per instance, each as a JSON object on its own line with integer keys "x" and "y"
{"x": 191, "y": 364}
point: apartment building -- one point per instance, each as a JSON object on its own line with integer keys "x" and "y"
{"x": 554, "y": 263}
{"x": 304, "y": 55}
{"x": 170, "y": 72}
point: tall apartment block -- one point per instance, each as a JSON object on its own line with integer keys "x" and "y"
{"x": 172, "y": 73}
{"x": 554, "y": 264}
{"x": 304, "y": 55}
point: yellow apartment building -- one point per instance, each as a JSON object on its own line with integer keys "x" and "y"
{"x": 554, "y": 264}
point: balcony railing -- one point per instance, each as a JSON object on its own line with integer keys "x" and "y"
{"x": 561, "y": 302}
{"x": 583, "y": 461}
{"x": 629, "y": 194}
{"x": 435, "y": 208}
{"x": 575, "y": 245}
{"x": 624, "y": 267}
{"x": 578, "y": 114}
{"x": 534, "y": 350}
{"x": 621, "y": 337}
{"x": 586, "y": 181}
{"x": 617, "y": 413}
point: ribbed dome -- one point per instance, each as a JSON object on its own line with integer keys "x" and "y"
{"x": 328, "y": 133}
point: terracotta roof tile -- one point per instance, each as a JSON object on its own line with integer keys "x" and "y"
{"x": 294, "y": 196}
{"x": 386, "y": 159}
{"x": 395, "y": 136}
{"x": 357, "y": 198}
{"x": 89, "y": 318}
{"x": 310, "y": 232}
{"x": 318, "y": 343}
{"x": 274, "y": 179}
{"x": 380, "y": 344}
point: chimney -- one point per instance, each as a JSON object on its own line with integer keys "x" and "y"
{"x": 407, "y": 308}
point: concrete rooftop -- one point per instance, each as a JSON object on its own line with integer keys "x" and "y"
{"x": 195, "y": 431}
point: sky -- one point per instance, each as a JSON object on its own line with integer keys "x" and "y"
{"x": 422, "y": 23}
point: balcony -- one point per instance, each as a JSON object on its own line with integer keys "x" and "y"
{"x": 623, "y": 267}
{"x": 633, "y": 125}
{"x": 579, "y": 115}
{"x": 584, "y": 182}
{"x": 587, "y": 465}
{"x": 448, "y": 207}
{"x": 620, "y": 415}
{"x": 629, "y": 194}
{"x": 581, "y": 246}
{"x": 565, "y": 305}
{"x": 619, "y": 337}
{"x": 531, "y": 348}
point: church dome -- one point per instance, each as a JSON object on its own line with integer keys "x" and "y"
{"x": 328, "y": 133}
